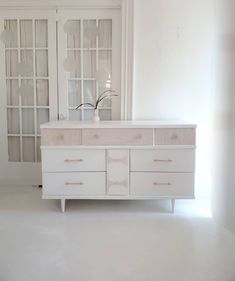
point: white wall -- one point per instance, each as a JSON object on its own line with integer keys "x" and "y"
{"x": 174, "y": 44}
{"x": 224, "y": 126}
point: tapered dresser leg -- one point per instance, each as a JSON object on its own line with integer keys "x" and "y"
{"x": 173, "y": 205}
{"x": 63, "y": 205}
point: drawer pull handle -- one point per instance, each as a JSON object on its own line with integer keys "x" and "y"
{"x": 74, "y": 183}
{"x": 163, "y": 160}
{"x": 73, "y": 160}
{"x": 174, "y": 137}
{"x": 95, "y": 136}
{"x": 161, "y": 183}
{"x": 138, "y": 137}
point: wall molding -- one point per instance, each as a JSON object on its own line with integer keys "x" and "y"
{"x": 127, "y": 59}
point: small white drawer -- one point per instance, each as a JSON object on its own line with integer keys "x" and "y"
{"x": 162, "y": 184}
{"x": 72, "y": 160}
{"x": 175, "y": 136}
{"x": 117, "y": 136}
{"x": 74, "y": 183}
{"x": 61, "y": 136}
{"x": 163, "y": 160}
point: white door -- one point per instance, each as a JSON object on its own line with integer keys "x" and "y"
{"x": 28, "y": 90}
{"x": 89, "y": 61}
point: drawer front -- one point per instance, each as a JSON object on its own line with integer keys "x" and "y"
{"x": 162, "y": 184}
{"x": 175, "y": 136}
{"x": 72, "y": 160}
{"x": 61, "y": 136}
{"x": 163, "y": 160}
{"x": 117, "y": 137}
{"x": 74, "y": 183}
{"x": 117, "y": 172}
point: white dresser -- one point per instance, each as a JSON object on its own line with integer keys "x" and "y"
{"x": 118, "y": 160}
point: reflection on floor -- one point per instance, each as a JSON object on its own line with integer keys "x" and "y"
{"x": 110, "y": 240}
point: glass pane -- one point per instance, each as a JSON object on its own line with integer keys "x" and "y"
{"x": 26, "y": 65}
{"x": 27, "y": 92}
{"x": 12, "y": 92}
{"x": 28, "y": 121}
{"x": 26, "y": 33}
{"x": 105, "y": 62}
{"x": 28, "y": 149}
{"x": 105, "y": 33}
{"x": 88, "y": 114}
{"x": 74, "y": 114}
{"x": 73, "y": 33}
{"x": 41, "y": 34}
{"x": 75, "y": 64}
{"x": 105, "y": 114}
{"x": 39, "y": 149}
{"x": 89, "y": 65}
{"x": 11, "y": 63}
{"x": 14, "y": 149}
{"x": 11, "y": 35}
{"x": 90, "y": 32}
{"x": 41, "y": 63}
{"x": 42, "y": 117}
{"x": 89, "y": 91}
{"x": 13, "y": 121}
{"x": 106, "y": 102}
{"x": 42, "y": 90}
{"x": 74, "y": 92}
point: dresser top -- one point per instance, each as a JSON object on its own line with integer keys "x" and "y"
{"x": 118, "y": 124}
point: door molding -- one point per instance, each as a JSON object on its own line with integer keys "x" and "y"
{"x": 127, "y": 59}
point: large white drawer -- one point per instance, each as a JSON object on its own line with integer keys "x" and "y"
{"x": 74, "y": 183}
{"x": 162, "y": 184}
{"x": 163, "y": 160}
{"x": 72, "y": 160}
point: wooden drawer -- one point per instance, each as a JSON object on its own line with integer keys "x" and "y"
{"x": 74, "y": 183}
{"x": 162, "y": 184}
{"x": 163, "y": 160}
{"x": 61, "y": 136}
{"x": 175, "y": 136}
{"x": 117, "y": 137}
{"x": 72, "y": 160}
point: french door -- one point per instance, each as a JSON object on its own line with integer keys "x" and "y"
{"x": 28, "y": 83}
{"x": 89, "y": 46}
{"x": 52, "y": 61}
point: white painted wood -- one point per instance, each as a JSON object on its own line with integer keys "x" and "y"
{"x": 63, "y": 201}
{"x": 117, "y": 171}
{"x": 25, "y": 172}
{"x": 119, "y": 124}
{"x": 111, "y": 166}
{"x": 162, "y": 184}
{"x": 173, "y": 205}
{"x": 163, "y": 160}
{"x": 117, "y": 136}
{"x": 65, "y": 184}
{"x": 127, "y": 59}
{"x": 73, "y": 160}
{"x": 94, "y": 14}
{"x": 175, "y": 136}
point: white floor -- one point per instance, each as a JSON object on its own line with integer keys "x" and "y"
{"x": 110, "y": 241}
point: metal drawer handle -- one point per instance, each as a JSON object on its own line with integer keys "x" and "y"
{"x": 96, "y": 136}
{"x": 138, "y": 137}
{"x": 73, "y": 160}
{"x": 74, "y": 183}
{"x": 163, "y": 160}
{"x": 174, "y": 137}
{"x": 162, "y": 183}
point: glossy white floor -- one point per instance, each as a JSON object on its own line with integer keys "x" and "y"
{"x": 110, "y": 241}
